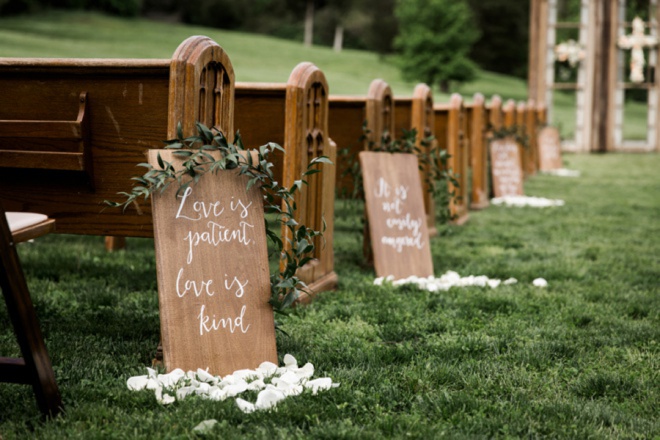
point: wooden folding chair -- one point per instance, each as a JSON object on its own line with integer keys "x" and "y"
{"x": 34, "y": 368}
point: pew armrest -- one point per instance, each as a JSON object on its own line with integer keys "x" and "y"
{"x": 51, "y": 145}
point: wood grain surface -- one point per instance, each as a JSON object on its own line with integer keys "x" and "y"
{"x": 395, "y": 209}
{"x": 213, "y": 276}
{"x": 506, "y": 167}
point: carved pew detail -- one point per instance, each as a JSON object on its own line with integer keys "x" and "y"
{"x": 417, "y": 112}
{"x": 306, "y": 137}
{"x": 450, "y": 124}
{"x": 531, "y": 130}
{"x": 477, "y": 125}
{"x": 201, "y": 88}
{"x": 295, "y": 115}
{"x": 494, "y": 113}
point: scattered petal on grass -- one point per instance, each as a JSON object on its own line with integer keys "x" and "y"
{"x": 445, "y": 282}
{"x": 562, "y": 172}
{"x": 272, "y": 382}
{"x": 245, "y": 406}
{"x": 137, "y": 383}
{"x": 510, "y": 281}
{"x": 205, "y": 427}
{"x": 520, "y": 201}
{"x": 540, "y": 282}
{"x": 320, "y": 384}
{"x": 268, "y": 398}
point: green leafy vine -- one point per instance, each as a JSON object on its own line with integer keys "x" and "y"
{"x": 437, "y": 179}
{"x": 295, "y": 250}
{"x": 517, "y": 132}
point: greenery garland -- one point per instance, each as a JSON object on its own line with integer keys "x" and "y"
{"x": 285, "y": 286}
{"x": 515, "y": 131}
{"x": 437, "y": 180}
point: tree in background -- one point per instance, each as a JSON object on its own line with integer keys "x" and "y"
{"x": 504, "y": 26}
{"x": 435, "y": 37}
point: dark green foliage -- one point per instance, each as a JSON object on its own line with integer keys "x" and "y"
{"x": 435, "y": 37}
{"x": 124, "y": 8}
{"x": 502, "y": 46}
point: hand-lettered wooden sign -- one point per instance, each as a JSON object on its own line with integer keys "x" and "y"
{"x": 506, "y": 167}
{"x": 213, "y": 276}
{"x": 395, "y": 211}
{"x": 549, "y": 149}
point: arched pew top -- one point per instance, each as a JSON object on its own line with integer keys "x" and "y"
{"x": 521, "y": 106}
{"x": 478, "y": 100}
{"x": 509, "y": 105}
{"x": 307, "y": 116}
{"x": 495, "y": 102}
{"x": 305, "y": 75}
{"x": 455, "y": 102}
{"x": 201, "y": 87}
{"x": 380, "y": 112}
{"x": 423, "y": 93}
{"x": 379, "y": 90}
{"x": 422, "y": 110}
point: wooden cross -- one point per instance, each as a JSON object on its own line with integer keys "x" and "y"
{"x": 637, "y": 41}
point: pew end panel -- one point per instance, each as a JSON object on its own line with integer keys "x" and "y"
{"x": 306, "y": 137}
{"x": 477, "y": 127}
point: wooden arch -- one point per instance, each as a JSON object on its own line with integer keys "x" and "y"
{"x": 379, "y": 114}
{"x": 201, "y": 87}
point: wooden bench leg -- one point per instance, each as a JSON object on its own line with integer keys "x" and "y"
{"x": 35, "y": 367}
{"x": 115, "y": 243}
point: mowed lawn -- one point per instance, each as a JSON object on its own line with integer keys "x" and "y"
{"x": 578, "y": 359}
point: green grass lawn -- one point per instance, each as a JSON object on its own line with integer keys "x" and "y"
{"x": 578, "y": 359}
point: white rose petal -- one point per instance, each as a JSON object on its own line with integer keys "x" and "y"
{"x": 540, "y": 282}
{"x": 320, "y": 384}
{"x": 205, "y": 426}
{"x": 290, "y": 361}
{"x": 205, "y": 376}
{"x": 137, "y": 383}
{"x": 256, "y": 385}
{"x": 267, "y": 368}
{"x": 268, "y": 398}
{"x": 245, "y": 406}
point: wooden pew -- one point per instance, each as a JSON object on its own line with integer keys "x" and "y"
{"x": 295, "y": 115}
{"x": 509, "y": 114}
{"x": 417, "y": 112}
{"x": 129, "y": 107}
{"x": 494, "y": 113}
{"x": 347, "y": 117}
{"x": 451, "y": 129}
{"x": 531, "y": 131}
{"x": 495, "y": 117}
{"x": 477, "y": 126}
{"x": 522, "y": 112}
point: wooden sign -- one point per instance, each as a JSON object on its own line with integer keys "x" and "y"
{"x": 213, "y": 275}
{"x": 395, "y": 210}
{"x": 549, "y": 149}
{"x": 506, "y": 168}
